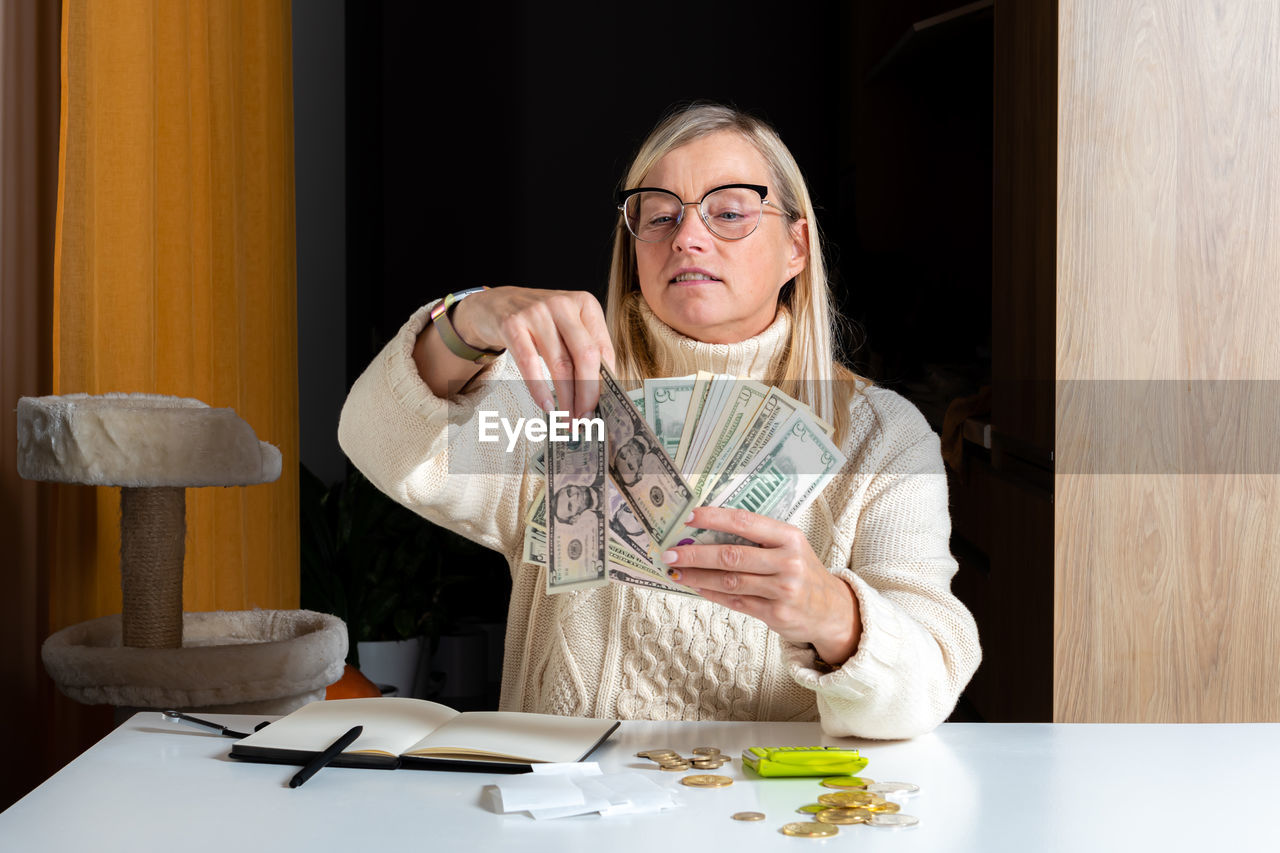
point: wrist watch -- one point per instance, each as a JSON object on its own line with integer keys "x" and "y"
{"x": 452, "y": 341}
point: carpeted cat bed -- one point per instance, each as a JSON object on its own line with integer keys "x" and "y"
{"x": 142, "y": 440}
{"x": 234, "y": 662}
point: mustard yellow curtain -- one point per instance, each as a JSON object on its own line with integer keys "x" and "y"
{"x": 175, "y": 272}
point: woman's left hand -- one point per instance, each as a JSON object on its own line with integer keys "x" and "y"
{"x": 780, "y": 581}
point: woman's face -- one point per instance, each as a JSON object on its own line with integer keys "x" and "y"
{"x": 733, "y": 293}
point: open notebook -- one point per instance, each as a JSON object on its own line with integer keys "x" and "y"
{"x": 427, "y": 735}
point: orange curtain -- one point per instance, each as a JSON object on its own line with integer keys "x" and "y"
{"x": 175, "y": 272}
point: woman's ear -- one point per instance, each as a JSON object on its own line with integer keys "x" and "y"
{"x": 799, "y": 256}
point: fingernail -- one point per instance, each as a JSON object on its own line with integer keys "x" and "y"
{"x": 546, "y": 404}
{"x": 674, "y": 574}
{"x": 670, "y": 556}
{"x": 689, "y": 520}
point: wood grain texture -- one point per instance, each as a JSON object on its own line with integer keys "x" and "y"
{"x": 1166, "y": 597}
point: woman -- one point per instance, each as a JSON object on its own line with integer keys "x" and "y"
{"x": 844, "y": 614}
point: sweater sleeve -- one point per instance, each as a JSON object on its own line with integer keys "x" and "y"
{"x": 919, "y": 644}
{"x": 425, "y": 452}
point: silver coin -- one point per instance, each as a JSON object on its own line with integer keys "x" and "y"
{"x": 893, "y": 788}
{"x": 895, "y": 820}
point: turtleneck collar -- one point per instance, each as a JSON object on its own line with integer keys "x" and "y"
{"x": 753, "y": 358}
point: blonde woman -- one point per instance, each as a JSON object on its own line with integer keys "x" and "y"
{"x": 845, "y": 614}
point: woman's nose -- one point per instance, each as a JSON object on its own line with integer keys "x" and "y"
{"x": 692, "y": 232}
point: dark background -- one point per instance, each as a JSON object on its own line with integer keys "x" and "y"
{"x": 487, "y": 150}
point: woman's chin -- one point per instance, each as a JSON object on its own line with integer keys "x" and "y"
{"x": 705, "y": 323}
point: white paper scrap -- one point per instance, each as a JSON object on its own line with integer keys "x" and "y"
{"x": 579, "y": 790}
{"x": 590, "y": 805}
{"x": 528, "y": 791}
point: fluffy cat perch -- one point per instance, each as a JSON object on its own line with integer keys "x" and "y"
{"x": 154, "y": 447}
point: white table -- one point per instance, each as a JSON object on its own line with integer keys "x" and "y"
{"x": 155, "y": 786}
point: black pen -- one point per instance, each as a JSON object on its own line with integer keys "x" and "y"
{"x": 325, "y": 757}
{"x": 175, "y": 716}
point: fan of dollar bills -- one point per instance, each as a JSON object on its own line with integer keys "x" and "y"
{"x": 609, "y": 508}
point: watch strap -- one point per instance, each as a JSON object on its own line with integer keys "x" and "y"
{"x": 449, "y": 335}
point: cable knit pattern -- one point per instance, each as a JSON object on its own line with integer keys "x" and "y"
{"x": 625, "y": 652}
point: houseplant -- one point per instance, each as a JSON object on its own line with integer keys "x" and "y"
{"x": 377, "y": 565}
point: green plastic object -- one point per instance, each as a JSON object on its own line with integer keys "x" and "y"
{"x": 803, "y": 761}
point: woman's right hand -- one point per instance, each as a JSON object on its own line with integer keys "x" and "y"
{"x": 565, "y": 327}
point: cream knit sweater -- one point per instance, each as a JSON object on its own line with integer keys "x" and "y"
{"x": 619, "y": 651}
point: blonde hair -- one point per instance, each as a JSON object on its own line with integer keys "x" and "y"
{"x": 810, "y": 371}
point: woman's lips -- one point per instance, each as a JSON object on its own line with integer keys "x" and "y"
{"x": 693, "y": 277}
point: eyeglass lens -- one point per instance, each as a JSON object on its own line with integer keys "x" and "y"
{"x": 731, "y": 213}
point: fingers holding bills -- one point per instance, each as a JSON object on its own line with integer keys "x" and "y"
{"x": 615, "y": 506}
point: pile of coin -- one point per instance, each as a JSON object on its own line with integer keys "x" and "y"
{"x": 850, "y": 800}
{"x": 703, "y": 758}
{"x": 856, "y": 800}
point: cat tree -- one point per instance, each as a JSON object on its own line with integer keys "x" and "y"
{"x": 152, "y": 655}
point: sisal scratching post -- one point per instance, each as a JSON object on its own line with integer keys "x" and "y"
{"x": 153, "y": 528}
{"x": 152, "y": 655}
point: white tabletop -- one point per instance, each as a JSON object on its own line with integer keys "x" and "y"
{"x": 155, "y": 786}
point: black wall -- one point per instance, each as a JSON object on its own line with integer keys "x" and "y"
{"x": 488, "y": 151}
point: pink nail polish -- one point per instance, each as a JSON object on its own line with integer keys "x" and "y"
{"x": 689, "y": 520}
{"x": 670, "y": 556}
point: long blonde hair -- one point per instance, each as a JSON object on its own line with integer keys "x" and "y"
{"x": 810, "y": 371}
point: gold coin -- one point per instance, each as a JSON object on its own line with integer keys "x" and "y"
{"x": 707, "y": 764}
{"x": 846, "y": 782}
{"x": 847, "y": 798}
{"x": 655, "y": 754}
{"x": 706, "y": 750}
{"x": 677, "y": 766}
{"x": 884, "y": 808}
{"x": 842, "y": 816}
{"x": 749, "y": 816}
{"x": 809, "y": 830}
{"x": 813, "y": 808}
{"x": 706, "y": 780}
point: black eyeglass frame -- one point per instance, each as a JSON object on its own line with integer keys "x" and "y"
{"x": 763, "y": 191}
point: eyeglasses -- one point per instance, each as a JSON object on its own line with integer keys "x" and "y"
{"x": 731, "y": 212}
